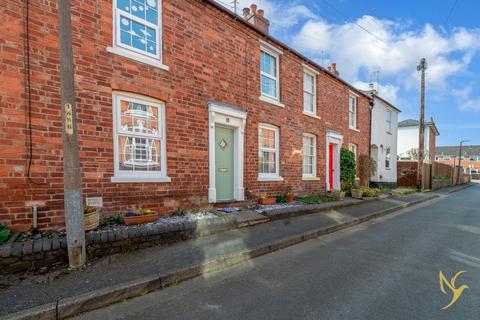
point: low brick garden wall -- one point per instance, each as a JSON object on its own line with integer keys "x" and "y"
{"x": 45, "y": 253}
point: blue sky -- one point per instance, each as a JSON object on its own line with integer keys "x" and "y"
{"x": 403, "y": 32}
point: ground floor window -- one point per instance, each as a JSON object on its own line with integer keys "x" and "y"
{"x": 388, "y": 155}
{"x": 269, "y": 151}
{"x": 139, "y": 137}
{"x": 353, "y": 148}
{"x": 309, "y": 155}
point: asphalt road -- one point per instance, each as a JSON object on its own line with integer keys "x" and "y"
{"x": 385, "y": 269}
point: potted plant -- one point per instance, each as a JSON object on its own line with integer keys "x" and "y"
{"x": 140, "y": 216}
{"x": 338, "y": 194}
{"x": 266, "y": 200}
{"x": 357, "y": 193}
{"x": 91, "y": 218}
{"x": 290, "y": 197}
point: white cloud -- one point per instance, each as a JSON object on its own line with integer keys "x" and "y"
{"x": 396, "y": 54}
{"x": 465, "y": 100}
{"x": 388, "y": 92}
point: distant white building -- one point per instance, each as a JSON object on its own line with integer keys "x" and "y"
{"x": 408, "y": 140}
{"x": 384, "y": 142}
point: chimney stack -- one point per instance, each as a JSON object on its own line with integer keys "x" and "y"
{"x": 257, "y": 18}
{"x": 333, "y": 69}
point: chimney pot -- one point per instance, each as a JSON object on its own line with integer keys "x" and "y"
{"x": 256, "y": 17}
{"x": 333, "y": 69}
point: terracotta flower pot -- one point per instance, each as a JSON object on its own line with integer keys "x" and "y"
{"x": 267, "y": 201}
{"x": 140, "y": 219}
{"x": 290, "y": 197}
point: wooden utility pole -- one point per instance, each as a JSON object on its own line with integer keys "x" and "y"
{"x": 71, "y": 162}
{"x": 421, "y": 147}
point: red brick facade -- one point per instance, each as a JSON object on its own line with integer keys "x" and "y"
{"x": 211, "y": 57}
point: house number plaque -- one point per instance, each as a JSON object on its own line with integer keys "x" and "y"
{"x": 68, "y": 119}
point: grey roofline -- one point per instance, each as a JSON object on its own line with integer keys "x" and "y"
{"x": 284, "y": 46}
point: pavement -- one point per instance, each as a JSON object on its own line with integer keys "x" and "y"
{"x": 118, "y": 277}
{"x": 387, "y": 268}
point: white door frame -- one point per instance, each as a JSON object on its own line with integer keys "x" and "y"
{"x": 336, "y": 139}
{"x": 236, "y": 119}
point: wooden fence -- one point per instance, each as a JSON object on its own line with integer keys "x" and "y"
{"x": 407, "y": 175}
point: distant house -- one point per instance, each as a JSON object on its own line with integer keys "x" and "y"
{"x": 384, "y": 142}
{"x": 470, "y": 159}
{"x": 408, "y": 140}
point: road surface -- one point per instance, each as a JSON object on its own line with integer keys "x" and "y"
{"x": 385, "y": 269}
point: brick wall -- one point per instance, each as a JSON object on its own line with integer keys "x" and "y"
{"x": 211, "y": 57}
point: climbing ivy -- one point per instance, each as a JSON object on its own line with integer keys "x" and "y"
{"x": 348, "y": 169}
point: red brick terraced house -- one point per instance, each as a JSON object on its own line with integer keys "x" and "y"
{"x": 180, "y": 104}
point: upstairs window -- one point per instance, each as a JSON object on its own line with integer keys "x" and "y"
{"x": 269, "y": 151}
{"x": 389, "y": 121}
{"x": 269, "y": 75}
{"x": 352, "y": 112}
{"x": 138, "y": 27}
{"x": 309, "y": 92}
{"x": 139, "y": 139}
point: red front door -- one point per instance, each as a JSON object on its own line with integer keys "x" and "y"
{"x": 330, "y": 166}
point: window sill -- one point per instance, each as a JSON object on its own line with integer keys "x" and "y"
{"x": 138, "y": 57}
{"x": 354, "y": 129}
{"x": 312, "y": 115}
{"x": 270, "y": 179}
{"x": 140, "y": 179}
{"x": 310, "y": 178}
{"x": 271, "y": 101}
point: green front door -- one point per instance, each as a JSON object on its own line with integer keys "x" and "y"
{"x": 224, "y": 163}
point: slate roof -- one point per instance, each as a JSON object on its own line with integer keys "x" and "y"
{"x": 454, "y": 150}
{"x": 409, "y": 123}
{"x": 416, "y": 123}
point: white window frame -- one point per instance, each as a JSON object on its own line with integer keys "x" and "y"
{"x": 314, "y": 161}
{"x": 355, "y": 112}
{"x": 388, "y": 157}
{"x": 276, "y": 53}
{"x": 130, "y": 52}
{"x": 353, "y": 148}
{"x": 308, "y": 71}
{"x": 389, "y": 120}
{"x": 121, "y": 176}
{"x": 270, "y": 176}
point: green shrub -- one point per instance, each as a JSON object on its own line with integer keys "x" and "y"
{"x": 314, "y": 199}
{"x": 370, "y": 192}
{"x": 441, "y": 178}
{"x": 281, "y": 198}
{"x": 180, "y": 213}
{"x": 348, "y": 169}
{"x": 4, "y": 234}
